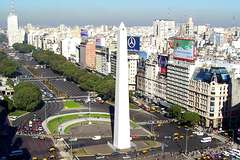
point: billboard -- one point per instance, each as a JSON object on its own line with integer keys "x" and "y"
{"x": 133, "y": 43}
{"x": 162, "y": 64}
{"x": 84, "y": 33}
{"x": 184, "y": 49}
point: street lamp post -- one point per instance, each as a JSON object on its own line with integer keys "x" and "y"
{"x": 89, "y": 109}
{"x": 186, "y": 146}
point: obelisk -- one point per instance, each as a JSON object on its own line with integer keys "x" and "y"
{"x": 121, "y": 114}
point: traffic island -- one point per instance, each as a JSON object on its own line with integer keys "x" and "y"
{"x": 105, "y": 149}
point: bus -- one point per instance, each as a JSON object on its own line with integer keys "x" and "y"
{"x": 206, "y": 139}
{"x": 16, "y": 155}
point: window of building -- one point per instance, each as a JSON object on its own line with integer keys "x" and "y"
{"x": 213, "y": 93}
{"x": 211, "y": 115}
{"x": 212, "y": 103}
{"x": 212, "y": 98}
{"x": 211, "y": 109}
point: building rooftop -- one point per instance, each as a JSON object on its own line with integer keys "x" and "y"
{"x": 219, "y": 74}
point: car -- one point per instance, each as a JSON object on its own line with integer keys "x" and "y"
{"x": 41, "y": 137}
{"x": 100, "y": 157}
{"x": 200, "y": 133}
{"x": 34, "y": 158}
{"x": 52, "y": 149}
{"x": 181, "y": 137}
{"x": 73, "y": 139}
{"x": 176, "y": 134}
{"x": 167, "y": 137}
{"x": 35, "y": 137}
{"x": 176, "y": 138}
{"x": 40, "y": 128}
{"x": 95, "y": 138}
{"x": 115, "y": 153}
{"x": 126, "y": 157}
{"x": 52, "y": 157}
{"x": 144, "y": 152}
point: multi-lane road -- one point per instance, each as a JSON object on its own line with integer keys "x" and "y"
{"x": 71, "y": 89}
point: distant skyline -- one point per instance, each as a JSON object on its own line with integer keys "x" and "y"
{"x": 131, "y": 12}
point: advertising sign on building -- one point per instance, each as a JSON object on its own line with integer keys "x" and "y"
{"x": 133, "y": 43}
{"x": 184, "y": 49}
{"x": 84, "y": 33}
{"x": 162, "y": 64}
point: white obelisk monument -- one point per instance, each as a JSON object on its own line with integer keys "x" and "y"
{"x": 121, "y": 116}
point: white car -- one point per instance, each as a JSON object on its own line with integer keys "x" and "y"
{"x": 73, "y": 139}
{"x": 95, "y": 138}
{"x": 100, "y": 157}
{"x": 126, "y": 157}
{"x": 200, "y": 133}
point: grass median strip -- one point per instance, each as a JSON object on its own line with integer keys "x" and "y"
{"x": 54, "y": 123}
{"x": 71, "y": 105}
{"x": 17, "y": 113}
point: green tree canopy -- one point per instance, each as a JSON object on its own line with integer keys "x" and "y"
{"x": 8, "y": 67}
{"x": 8, "y": 104}
{"x": 3, "y": 38}
{"x": 27, "y": 97}
{"x": 175, "y": 111}
{"x": 87, "y": 81}
{"x": 23, "y": 48}
{"x": 191, "y": 118}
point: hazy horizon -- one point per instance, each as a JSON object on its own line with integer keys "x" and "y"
{"x": 132, "y": 13}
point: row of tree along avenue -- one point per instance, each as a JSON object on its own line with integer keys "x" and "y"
{"x": 23, "y": 48}
{"x": 26, "y": 97}
{"x": 8, "y": 67}
{"x": 188, "y": 118}
{"x": 86, "y": 80}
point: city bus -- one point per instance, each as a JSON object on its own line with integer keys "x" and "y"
{"x": 206, "y": 139}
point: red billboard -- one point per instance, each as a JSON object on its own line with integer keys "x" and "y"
{"x": 162, "y": 64}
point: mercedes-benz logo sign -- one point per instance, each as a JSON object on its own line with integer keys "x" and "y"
{"x": 131, "y": 42}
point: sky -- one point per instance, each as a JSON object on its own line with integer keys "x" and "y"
{"x": 131, "y": 12}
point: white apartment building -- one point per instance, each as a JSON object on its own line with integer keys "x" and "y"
{"x": 150, "y": 83}
{"x": 70, "y": 50}
{"x": 208, "y": 95}
{"x": 12, "y": 29}
{"x": 103, "y": 64}
{"x": 133, "y": 59}
{"x": 162, "y": 30}
{"x": 178, "y": 77}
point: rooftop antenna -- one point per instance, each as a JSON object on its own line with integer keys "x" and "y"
{"x": 12, "y": 7}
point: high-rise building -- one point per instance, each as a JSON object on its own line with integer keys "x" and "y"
{"x": 209, "y": 95}
{"x": 103, "y": 64}
{"x": 187, "y": 29}
{"x": 150, "y": 83}
{"x": 178, "y": 77}
{"x": 133, "y": 59}
{"x": 70, "y": 50}
{"x": 121, "y": 112}
{"x": 88, "y": 54}
{"x": 12, "y": 28}
{"x": 163, "y": 29}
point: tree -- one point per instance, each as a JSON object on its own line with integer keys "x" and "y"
{"x": 23, "y": 48}
{"x": 175, "y": 111}
{"x": 87, "y": 81}
{"x": 3, "y": 38}
{"x": 8, "y": 104}
{"x": 191, "y": 118}
{"x": 27, "y": 97}
{"x": 7, "y": 67}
